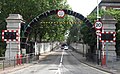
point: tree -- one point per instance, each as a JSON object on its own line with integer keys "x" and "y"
{"x": 52, "y": 31}
{"x": 29, "y": 9}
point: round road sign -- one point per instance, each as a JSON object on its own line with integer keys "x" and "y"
{"x": 60, "y": 13}
{"x": 98, "y": 32}
{"x": 98, "y": 25}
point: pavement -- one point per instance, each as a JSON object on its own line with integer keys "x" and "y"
{"x": 12, "y": 69}
{"x": 111, "y": 67}
{"x": 93, "y": 64}
{"x": 18, "y": 67}
{"x": 78, "y": 56}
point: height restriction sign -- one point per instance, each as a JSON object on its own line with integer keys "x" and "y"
{"x": 98, "y": 25}
{"x": 60, "y": 13}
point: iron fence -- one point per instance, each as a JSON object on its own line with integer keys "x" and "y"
{"x": 28, "y": 58}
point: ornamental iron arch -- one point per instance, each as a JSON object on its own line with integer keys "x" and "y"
{"x": 53, "y": 12}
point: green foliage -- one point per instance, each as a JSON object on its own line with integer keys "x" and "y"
{"x": 88, "y": 36}
{"x": 29, "y": 9}
{"x": 2, "y": 48}
{"x": 73, "y": 36}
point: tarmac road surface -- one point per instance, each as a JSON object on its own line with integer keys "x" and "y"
{"x": 61, "y": 62}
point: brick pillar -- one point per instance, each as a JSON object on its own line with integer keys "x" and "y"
{"x": 13, "y": 47}
{"x": 109, "y": 25}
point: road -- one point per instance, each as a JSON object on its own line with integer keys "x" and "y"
{"x": 60, "y": 62}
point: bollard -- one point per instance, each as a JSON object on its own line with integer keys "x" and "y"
{"x": 20, "y": 62}
{"x": 27, "y": 58}
{"x": 17, "y": 59}
{"x": 104, "y": 60}
{"x": 23, "y": 60}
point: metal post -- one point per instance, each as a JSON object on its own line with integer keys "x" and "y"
{"x": 106, "y": 53}
{"x": 76, "y": 45}
{"x": 97, "y": 49}
{"x": 97, "y": 35}
{"x": 103, "y": 55}
{"x": 9, "y": 51}
{"x": 14, "y": 62}
{"x": 35, "y": 35}
{"x": 97, "y": 10}
{"x": 83, "y": 49}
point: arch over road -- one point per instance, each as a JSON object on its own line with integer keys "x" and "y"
{"x": 54, "y": 12}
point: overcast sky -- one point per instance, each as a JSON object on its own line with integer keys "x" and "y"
{"x": 83, "y": 7}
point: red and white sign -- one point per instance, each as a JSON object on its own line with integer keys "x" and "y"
{"x": 114, "y": 37}
{"x": 60, "y": 13}
{"x": 17, "y": 35}
{"x": 98, "y": 32}
{"x": 98, "y": 25}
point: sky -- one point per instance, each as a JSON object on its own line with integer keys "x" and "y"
{"x": 83, "y": 7}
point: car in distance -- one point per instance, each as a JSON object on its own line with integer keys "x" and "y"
{"x": 64, "y": 46}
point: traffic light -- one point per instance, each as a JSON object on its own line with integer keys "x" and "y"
{"x": 9, "y": 35}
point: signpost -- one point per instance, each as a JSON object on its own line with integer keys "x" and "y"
{"x": 98, "y": 25}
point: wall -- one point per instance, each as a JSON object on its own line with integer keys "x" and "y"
{"x": 81, "y": 48}
{"x": 41, "y": 48}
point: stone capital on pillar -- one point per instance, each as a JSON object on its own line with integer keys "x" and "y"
{"x": 108, "y": 22}
{"x": 14, "y": 21}
{"x": 15, "y": 17}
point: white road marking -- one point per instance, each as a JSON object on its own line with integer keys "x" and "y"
{"x": 60, "y": 65}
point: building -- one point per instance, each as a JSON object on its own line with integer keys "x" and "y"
{"x": 107, "y": 4}
{"x": 108, "y": 22}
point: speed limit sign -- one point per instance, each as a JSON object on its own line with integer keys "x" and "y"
{"x": 98, "y": 25}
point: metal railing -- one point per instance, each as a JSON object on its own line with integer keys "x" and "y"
{"x": 29, "y": 58}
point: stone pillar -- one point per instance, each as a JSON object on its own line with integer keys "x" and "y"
{"x": 13, "y": 47}
{"x": 109, "y": 26}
